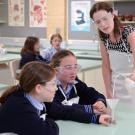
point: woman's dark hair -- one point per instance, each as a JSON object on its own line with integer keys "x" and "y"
{"x": 56, "y": 59}
{"x": 55, "y": 35}
{"x": 108, "y": 8}
{"x": 29, "y": 45}
{"x": 32, "y": 74}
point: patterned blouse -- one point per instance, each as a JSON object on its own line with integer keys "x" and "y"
{"x": 118, "y": 46}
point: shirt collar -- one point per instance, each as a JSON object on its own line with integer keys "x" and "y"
{"x": 53, "y": 50}
{"x": 58, "y": 82}
{"x": 69, "y": 87}
{"x": 38, "y": 105}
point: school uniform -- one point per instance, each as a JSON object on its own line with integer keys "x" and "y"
{"x": 22, "y": 116}
{"x": 61, "y": 112}
{"x": 87, "y": 96}
{"x": 49, "y": 53}
{"x": 28, "y": 57}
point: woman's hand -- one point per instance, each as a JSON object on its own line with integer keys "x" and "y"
{"x": 132, "y": 77}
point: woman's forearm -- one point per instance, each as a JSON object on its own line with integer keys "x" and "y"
{"x": 107, "y": 81}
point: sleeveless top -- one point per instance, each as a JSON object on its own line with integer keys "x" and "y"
{"x": 118, "y": 46}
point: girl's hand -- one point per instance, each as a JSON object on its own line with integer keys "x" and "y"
{"x": 100, "y": 107}
{"x": 105, "y": 119}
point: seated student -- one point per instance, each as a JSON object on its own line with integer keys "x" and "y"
{"x": 55, "y": 42}
{"x": 30, "y": 51}
{"x": 71, "y": 90}
{"x": 22, "y": 105}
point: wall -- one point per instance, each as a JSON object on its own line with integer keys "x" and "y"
{"x": 92, "y": 35}
{"x": 56, "y": 21}
{"x": 125, "y": 8}
{"x": 8, "y": 31}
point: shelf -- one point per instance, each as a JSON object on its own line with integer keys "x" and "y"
{"x": 132, "y": 22}
{"x": 2, "y": 21}
{"x": 1, "y": 3}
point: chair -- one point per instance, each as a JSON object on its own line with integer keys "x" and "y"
{"x": 14, "y": 66}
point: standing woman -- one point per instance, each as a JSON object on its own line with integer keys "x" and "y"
{"x": 22, "y": 105}
{"x": 31, "y": 51}
{"x": 117, "y": 45}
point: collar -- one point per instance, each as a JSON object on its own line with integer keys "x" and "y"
{"x": 58, "y": 82}
{"x": 38, "y": 105}
{"x": 54, "y": 50}
{"x": 69, "y": 86}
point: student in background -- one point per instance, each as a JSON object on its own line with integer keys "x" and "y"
{"x": 117, "y": 45}
{"x": 55, "y": 42}
{"x": 22, "y": 105}
{"x": 31, "y": 51}
{"x": 72, "y": 91}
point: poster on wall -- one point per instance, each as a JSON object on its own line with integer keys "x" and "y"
{"x": 80, "y": 16}
{"x": 16, "y": 12}
{"x": 37, "y": 13}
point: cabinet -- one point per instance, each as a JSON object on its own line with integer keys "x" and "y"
{"x": 128, "y": 22}
{"x": 93, "y": 78}
{"x": 2, "y": 6}
{"x": 125, "y": 11}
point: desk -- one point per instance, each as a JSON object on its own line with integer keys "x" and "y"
{"x": 87, "y": 54}
{"x": 9, "y": 57}
{"x": 87, "y": 65}
{"x": 3, "y": 87}
{"x": 6, "y": 76}
{"x": 125, "y": 124}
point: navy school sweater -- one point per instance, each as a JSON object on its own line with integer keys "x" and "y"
{"x": 28, "y": 57}
{"x": 18, "y": 115}
{"x": 87, "y": 95}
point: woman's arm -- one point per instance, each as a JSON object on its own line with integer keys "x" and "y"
{"x": 106, "y": 70}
